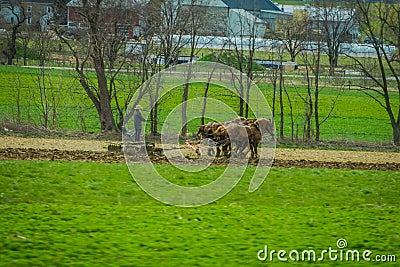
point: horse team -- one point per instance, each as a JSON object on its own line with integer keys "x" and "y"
{"x": 235, "y": 136}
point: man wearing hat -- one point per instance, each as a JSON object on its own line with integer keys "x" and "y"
{"x": 138, "y": 119}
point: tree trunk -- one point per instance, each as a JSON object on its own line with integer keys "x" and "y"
{"x": 203, "y": 111}
{"x": 309, "y": 102}
{"x": 248, "y": 85}
{"x": 155, "y": 121}
{"x": 274, "y": 79}
{"x": 281, "y": 123}
{"x": 396, "y": 134}
{"x": 105, "y": 113}
{"x": 249, "y": 73}
{"x": 316, "y": 94}
{"x": 395, "y": 124}
{"x": 241, "y": 95}
{"x": 154, "y": 110}
{"x": 113, "y": 88}
{"x": 12, "y": 49}
{"x": 185, "y": 96}
{"x": 333, "y": 61}
{"x": 293, "y": 56}
{"x": 290, "y": 114}
{"x": 241, "y": 103}
{"x": 316, "y": 112}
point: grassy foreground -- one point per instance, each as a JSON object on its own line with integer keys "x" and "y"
{"x": 93, "y": 214}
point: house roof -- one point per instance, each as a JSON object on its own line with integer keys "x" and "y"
{"x": 252, "y": 5}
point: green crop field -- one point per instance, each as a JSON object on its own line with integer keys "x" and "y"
{"x": 74, "y": 111}
{"x": 93, "y": 214}
{"x": 355, "y": 116}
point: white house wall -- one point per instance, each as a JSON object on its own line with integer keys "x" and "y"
{"x": 8, "y": 15}
{"x": 207, "y": 3}
{"x": 243, "y": 23}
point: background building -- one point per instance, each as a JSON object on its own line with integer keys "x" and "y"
{"x": 35, "y": 13}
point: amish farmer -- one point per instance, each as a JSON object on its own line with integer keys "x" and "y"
{"x": 138, "y": 119}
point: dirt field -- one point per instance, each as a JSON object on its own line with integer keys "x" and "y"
{"x": 94, "y": 150}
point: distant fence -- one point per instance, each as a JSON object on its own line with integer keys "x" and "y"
{"x": 261, "y": 44}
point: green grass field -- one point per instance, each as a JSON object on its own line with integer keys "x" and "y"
{"x": 355, "y": 117}
{"x": 93, "y": 214}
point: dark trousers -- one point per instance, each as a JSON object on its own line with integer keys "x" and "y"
{"x": 138, "y": 130}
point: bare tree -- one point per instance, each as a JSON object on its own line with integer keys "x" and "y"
{"x": 243, "y": 34}
{"x": 334, "y": 25}
{"x": 108, "y": 23}
{"x": 149, "y": 55}
{"x": 290, "y": 113}
{"x": 46, "y": 97}
{"x": 276, "y": 76}
{"x": 316, "y": 72}
{"x": 60, "y": 12}
{"x": 42, "y": 42}
{"x": 25, "y": 40}
{"x": 196, "y": 15}
{"x": 206, "y": 90}
{"x": 164, "y": 25}
{"x": 380, "y": 22}
{"x": 17, "y": 15}
{"x": 273, "y": 77}
{"x": 292, "y": 33}
{"x": 172, "y": 26}
{"x": 312, "y": 99}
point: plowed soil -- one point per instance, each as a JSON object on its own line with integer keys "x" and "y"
{"x": 96, "y": 151}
